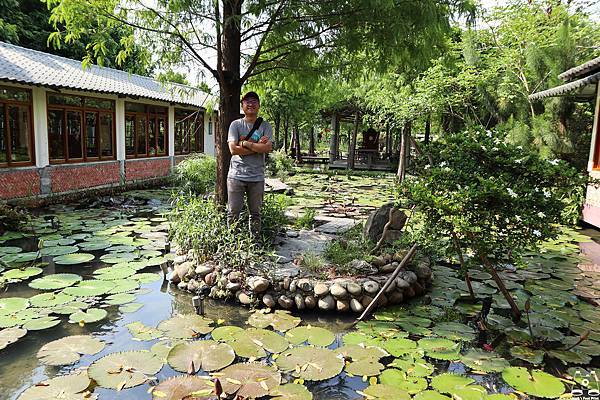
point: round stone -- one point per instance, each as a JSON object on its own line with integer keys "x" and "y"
{"x": 285, "y": 302}
{"x": 192, "y": 285}
{"x": 387, "y": 268}
{"x": 233, "y": 286}
{"x": 310, "y": 302}
{"x": 401, "y": 283}
{"x": 366, "y": 300}
{"x": 259, "y": 284}
{"x": 327, "y": 303}
{"x": 235, "y": 276}
{"x": 338, "y": 291}
{"x": 268, "y": 301}
{"x": 371, "y": 287}
{"x": 204, "y": 269}
{"x": 396, "y": 297}
{"x": 244, "y": 298}
{"x": 321, "y": 289}
{"x": 299, "y": 300}
{"x": 211, "y": 278}
{"x": 356, "y": 306}
{"x": 354, "y": 289}
{"x": 342, "y": 305}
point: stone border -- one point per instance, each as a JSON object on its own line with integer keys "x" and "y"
{"x": 348, "y": 294}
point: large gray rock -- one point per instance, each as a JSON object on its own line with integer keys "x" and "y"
{"x": 258, "y": 284}
{"x": 354, "y": 289}
{"x": 338, "y": 291}
{"x": 378, "y": 218}
{"x": 310, "y": 302}
{"x": 356, "y": 306}
{"x": 327, "y": 303}
{"x": 204, "y": 269}
{"x": 321, "y": 289}
{"x": 285, "y": 302}
{"x": 268, "y": 301}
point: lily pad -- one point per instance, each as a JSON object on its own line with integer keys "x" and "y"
{"x": 11, "y": 335}
{"x": 571, "y": 356}
{"x": 413, "y": 367}
{"x": 430, "y": 395}
{"x": 447, "y": 382}
{"x": 280, "y": 320}
{"x": 367, "y": 367}
{"x": 21, "y": 274}
{"x": 20, "y": 257}
{"x": 55, "y": 281}
{"x": 88, "y": 316}
{"x": 249, "y": 380}
{"x": 42, "y": 323}
{"x": 186, "y": 326}
{"x": 225, "y": 333}
{"x": 73, "y": 258}
{"x": 399, "y": 379}
{"x": 113, "y": 274}
{"x": 119, "y": 299}
{"x": 479, "y": 360}
{"x": 65, "y": 387}
{"x": 310, "y": 363}
{"x": 535, "y": 383}
{"x": 9, "y": 305}
{"x": 123, "y": 286}
{"x": 384, "y": 392}
{"x": 50, "y": 299}
{"x": 254, "y": 342}
{"x": 142, "y": 332}
{"x": 184, "y": 387}
{"x": 315, "y": 336}
{"x": 207, "y": 355}
{"x": 89, "y": 288}
{"x": 290, "y": 391}
{"x": 94, "y": 245}
{"x": 124, "y": 370}
{"x": 58, "y": 250}
{"x": 146, "y": 277}
{"x": 441, "y": 349}
{"x": 399, "y": 346}
{"x": 68, "y": 350}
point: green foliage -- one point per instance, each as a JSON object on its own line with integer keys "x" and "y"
{"x": 307, "y": 219}
{"x": 198, "y": 223}
{"x": 279, "y": 164}
{"x": 197, "y": 173}
{"x": 12, "y": 218}
{"x": 498, "y": 198}
{"x": 350, "y": 246}
{"x": 312, "y": 262}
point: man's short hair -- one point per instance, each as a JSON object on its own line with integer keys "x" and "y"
{"x": 250, "y": 95}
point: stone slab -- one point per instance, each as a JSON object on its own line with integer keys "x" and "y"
{"x": 337, "y": 226}
{"x": 273, "y": 185}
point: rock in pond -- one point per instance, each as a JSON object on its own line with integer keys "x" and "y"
{"x": 321, "y": 289}
{"x": 268, "y": 301}
{"x": 327, "y": 303}
{"x": 338, "y": 291}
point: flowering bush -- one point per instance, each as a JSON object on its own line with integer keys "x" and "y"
{"x": 490, "y": 197}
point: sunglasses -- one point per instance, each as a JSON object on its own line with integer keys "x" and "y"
{"x": 250, "y": 101}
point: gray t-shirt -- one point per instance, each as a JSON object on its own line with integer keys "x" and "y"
{"x": 250, "y": 168}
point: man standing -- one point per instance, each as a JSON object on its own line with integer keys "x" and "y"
{"x": 249, "y": 139}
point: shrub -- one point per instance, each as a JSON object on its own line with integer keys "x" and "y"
{"x": 306, "y": 220}
{"x": 312, "y": 262}
{"x": 279, "y": 164}
{"x": 12, "y": 218}
{"x": 197, "y": 173}
{"x": 349, "y": 246}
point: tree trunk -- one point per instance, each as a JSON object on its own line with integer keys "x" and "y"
{"x": 230, "y": 88}
{"x": 335, "y": 134}
{"x": 402, "y": 160}
{"x": 286, "y": 133}
{"x": 408, "y": 146}
{"x": 296, "y": 140}
{"x": 388, "y": 142}
{"x": 311, "y": 142}
{"x": 352, "y": 140}
{"x": 427, "y": 129}
{"x": 277, "y": 127}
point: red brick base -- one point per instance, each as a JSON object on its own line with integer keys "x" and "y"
{"x": 19, "y": 183}
{"x": 72, "y": 177}
{"x": 147, "y": 168}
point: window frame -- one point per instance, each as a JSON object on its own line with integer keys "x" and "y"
{"x": 149, "y": 115}
{"x": 83, "y": 110}
{"x": 198, "y": 133}
{"x": 9, "y": 163}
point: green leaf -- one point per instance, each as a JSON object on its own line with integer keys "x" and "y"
{"x": 535, "y": 383}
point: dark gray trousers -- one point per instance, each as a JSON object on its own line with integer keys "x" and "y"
{"x": 236, "y": 190}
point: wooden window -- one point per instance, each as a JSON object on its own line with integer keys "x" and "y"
{"x": 189, "y": 131}
{"x": 145, "y": 130}
{"x": 80, "y": 128}
{"x": 16, "y": 127}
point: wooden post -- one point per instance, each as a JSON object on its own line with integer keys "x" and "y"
{"x": 333, "y": 143}
{"x": 402, "y": 161}
{"x": 352, "y": 140}
{"x": 428, "y": 129}
{"x": 296, "y": 141}
{"x": 311, "y": 141}
{"x": 408, "y": 144}
{"x": 286, "y": 131}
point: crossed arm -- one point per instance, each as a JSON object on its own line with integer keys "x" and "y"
{"x": 244, "y": 147}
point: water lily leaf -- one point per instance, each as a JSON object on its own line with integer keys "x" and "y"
{"x": 113, "y": 273}
{"x": 366, "y": 367}
{"x": 94, "y": 245}
{"x": 142, "y": 332}
{"x": 399, "y": 379}
{"x": 356, "y": 352}
{"x": 88, "y": 316}
{"x": 50, "y": 299}
{"x": 225, "y": 333}
{"x": 9, "y": 305}
{"x": 130, "y": 307}
{"x": 186, "y": 326}
{"x": 11, "y": 335}
{"x": 10, "y": 250}
{"x": 447, "y": 382}
{"x": 116, "y": 258}
{"x": 69, "y": 349}
{"x": 500, "y": 396}
{"x": 290, "y": 391}
{"x": 315, "y": 336}
{"x": 58, "y": 250}
{"x": 471, "y": 392}
{"x": 455, "y": 331}
{"x": 430, "y": 395}
{"x": 39, "y": 324}
{"x": 21, "y": 274}
{"x": 124, "y": 370}
{"x": 253, "y": 342}
{"x": 20, "y": 257}
{"x": 311, "y": 363}
{"x": 89, "y": 288}
{"x": 535, "y": 383}
{"x": 206, "y": 355}
{"x": 184, "y": 387}
{"x": 70, "y": 308}
{"x": 73, "y": 258}
{"x": 249, "y": 380}
{"x": 400, "y": 346}
{"x": 123, "y": 286}
{"x": 147, "y": 277}
{"x": 414, "y": 367}
{"x": 280, "y": 320}
{"x": 441, "y": 349}
{"x": 384, "y": 392}
{"x": 55, "y": 281}
{"x": 62, "y": 387}
{"x": 118, "y": 299}
{"x": 479, "y": 360}
{"x": 570, "y": 357}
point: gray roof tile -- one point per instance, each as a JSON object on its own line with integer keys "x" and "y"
{"x": 582, "y": 70}
{"x": 26, "y": 66}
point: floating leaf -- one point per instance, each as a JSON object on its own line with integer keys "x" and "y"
{"x": 118, "y": 299}
{"x": 184, "y": 387}
{"x": 10, "y": 250}
{"x": 414, "y": 367}
{"x": 280, "y": 320}
{"x": 124, "y": 370}
{"x": 291, "y": 391}
{"x": 142, "y": 332}
{"x": 313, "y": 335}
{"x": 68, "y": 350}
{"x": 73, "y": 258}
{"x": 61, "y": 387}
{"x": 535, "y": 383}
{"x": 441, "y": 349}
{"x": 58, "y": 250}
{"x": 571, "y": 356}
{"x": 89, "y": 288}
{"x": 123, "y": 286}
{"x": 249, "y": 380}
{"x": 399, "y": 379}
{"x": 253, "y": 342}
{"x": 88, "y": 316}
{"x": 186, "y": 326}
{"x": 310, "y": 363}
{"x": 367, "y": 367}
{"x": 478, "y": 360}
{"x": 207, "y": 355}
{"x": 113, "y": 273}
{"x": 50, "y": 299}
{"x": 225, "y": 333}
{"x": 94, "y": 245}
{"x": 9, "y": 305}
{"x": 11, "y": 335}
{"x": 21, "y": 274}
{"x": 455, "y": 331}
{"x": 55, "y": 281}
{"x": 147, "y": 277}
{"x": 399, "y": 346}
{"x": 447, "y": 382}
{"x": 356, "y": 352}
{"x": 385, "y": 392}
{"x": 39, "y": 324}
{"x": 20, "y": 257}
{"x": 430, "y": 395}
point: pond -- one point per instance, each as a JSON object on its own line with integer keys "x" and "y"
{"x": 405, "y": 351}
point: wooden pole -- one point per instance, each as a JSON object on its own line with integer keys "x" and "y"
{"x": 402, "y": 160}
{"x": 428, "y": 129}
{"x": 462, "y": 265}
{"x": 387, "y": 284}
{"x": 333, "y": 142}
{"x": 311, "y": 142}
{"x": 352, "y": 147}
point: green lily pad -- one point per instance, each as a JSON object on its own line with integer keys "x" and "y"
{"x": 9, "y": 305}
{"x": 384, "y": 392}
{"x": 124, "y": 370}
{"x": 206, "y": 355}
{"x": 123, "y": 286}
{"x": 570, "y": 357}
{"x": 290, "y": 391}
{"x": 367, "y": 367}
{"x": 58, "y": 250}
{"x": 399, "y": 379}
{"x": 225, "y": 333}
{"x": 399, "y": 346}
{"x": 441, "y": 349}
{"x": 19, "y": 258}
{"x": 10, "y": 250}
{"x": 69, "y": 349}
{"x": 186, "y": 326}
{"x": 413, "y": 367}
{"x": 73, "y": 258}
{"x": 62, "y": 387}
{"x": 113, "y": 273}
{"x": 535, "y": 383}
{"x": 478, "y": 360}
{"x": 254, "y": 342}
{"x": 50, "y": 299}
{"x": 55, "y": 281}
{"x": 119, "y": 299}
{"x": 94, "y": 245}
{"x": 356, "y": 352}
{"x": 447, "y": 382}
{"x": 315, "y": 336}
{"x": 280, "y": 320}
{"x": 147, "y": 277}
{"x": 89, "y": 288}
{"x": 184, "y": 387}
{"x": 310, "y": 363}
{"x": 142, "y": 332}
{"x": 88, "y": 316}
{"x": 455, "y": 331}
{"x": 21, "y": 274}
{"x": 430, "y": 395}
{"x": 39, "y": 324}
{"x": 249, "y": 380}
{"x": 11, "y": 335}
{"x": 130, "y": 307}
{"x": 70, "y": 308}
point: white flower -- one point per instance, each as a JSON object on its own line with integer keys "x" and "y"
{"x": 427, "y": 166}
{"x": 519, "y": 161}
{"x": 554, "y": 162}
{"x": 488, "y": 133}
{"x": 547, "y": 193}
{"x": 494, "y": 148}
{"x": 541, "y": 215}
{"x": 520, "y": 147}
{"x": 537, "y": 233}
{"x": 447, "y": 169}
{"x": 518, "y": 218}
{"x": 511, "y": 193}
{"x": 484, "y": 148}
{"x": 443, "y": 164}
